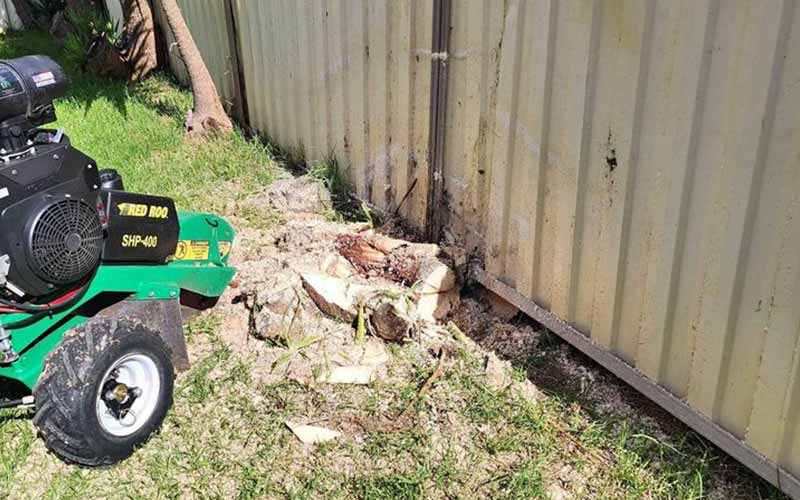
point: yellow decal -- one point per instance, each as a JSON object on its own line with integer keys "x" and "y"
{"x": 192, "y": 250}
{"x": 132, "y": 209}
{"x": 224, "y": 248}
{"x": 139, "y": 210}
{"x": 136, "y": 240}
{"x": 158, "y": 212}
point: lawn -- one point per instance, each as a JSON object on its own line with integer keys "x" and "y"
{"x": 226, "y": 437}
{"x": 139, "y": 132}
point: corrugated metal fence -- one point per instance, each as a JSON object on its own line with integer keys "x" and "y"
{"x": 629, "y": 167}
{"x": 644, "y": 188}
{"x": 347, "y": 78}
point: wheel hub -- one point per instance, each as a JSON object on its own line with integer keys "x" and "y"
{"x": 128, "y": 394}
{"x": 118, "y": 397}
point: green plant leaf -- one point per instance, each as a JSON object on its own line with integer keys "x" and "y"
{"x": 361, "y": 328}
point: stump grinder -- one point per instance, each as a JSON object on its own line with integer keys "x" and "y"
{"x": 93, "y": 281}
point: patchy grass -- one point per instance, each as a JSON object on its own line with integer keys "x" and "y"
{"x": 345, "y": 206}
{"x": 225, "y": 436}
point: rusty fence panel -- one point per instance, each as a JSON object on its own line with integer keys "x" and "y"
{"x": 329, "y": 79}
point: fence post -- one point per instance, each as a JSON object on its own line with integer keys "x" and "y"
{"x": 435, "y": 218}
{"x": 240, "y": 109}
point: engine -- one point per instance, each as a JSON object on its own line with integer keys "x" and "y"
{"x": 60, "y": 216}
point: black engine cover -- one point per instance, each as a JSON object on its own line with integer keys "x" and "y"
{"x": 47, "y": 227}
{"x": 57, "y": 223}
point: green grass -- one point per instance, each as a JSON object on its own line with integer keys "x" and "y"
{"x": 345, "y": 206}
{"x": 139, "y": 131}
{"x": 225, "y": 436}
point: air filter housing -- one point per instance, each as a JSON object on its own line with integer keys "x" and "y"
{"x": 66, "y": 240}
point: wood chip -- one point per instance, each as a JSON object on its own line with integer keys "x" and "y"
{"x": 436, "y": 375}
{"x": 357, "y": 374}
{"x": 311, "y": 434}
{"x": 389, "y": 322}
{"x": 333, "y": 296}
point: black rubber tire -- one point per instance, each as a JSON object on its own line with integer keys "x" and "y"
{"x": 67, "y": 390}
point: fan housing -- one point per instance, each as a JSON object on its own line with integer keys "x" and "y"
{"x": 66, "y": 241}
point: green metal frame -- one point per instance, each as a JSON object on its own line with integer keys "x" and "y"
{"x": 207, "y": 277}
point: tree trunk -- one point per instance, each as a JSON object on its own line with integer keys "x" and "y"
{"x": 140, "y": 29}
{"x": 208, "y": 114}
{"x": 25, "y": 13}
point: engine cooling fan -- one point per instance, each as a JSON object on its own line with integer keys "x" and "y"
{"x": 66, "y": 241}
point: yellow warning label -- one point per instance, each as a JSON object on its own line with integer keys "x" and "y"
{"x": 224, "y": 248}
{"x": 192, "y": 250}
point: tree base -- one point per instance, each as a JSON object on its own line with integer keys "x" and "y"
{"x": 106, "y": 61}
{"x": 205, "y": 124}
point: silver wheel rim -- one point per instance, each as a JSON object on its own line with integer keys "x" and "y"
{"x": 138, "y": 371}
